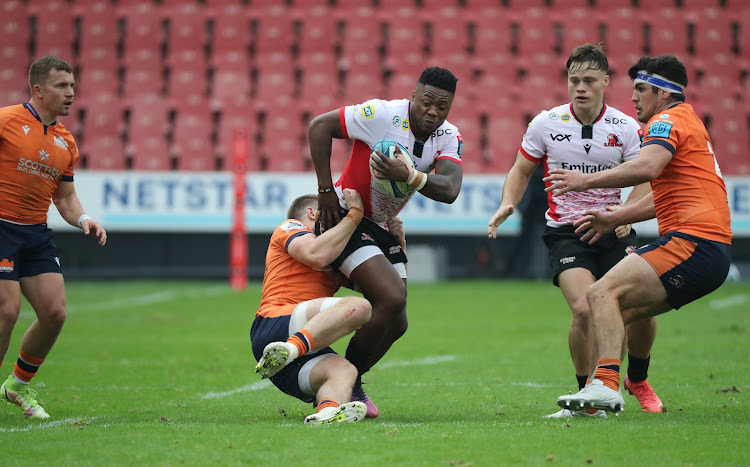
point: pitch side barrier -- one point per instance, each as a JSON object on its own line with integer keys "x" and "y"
{"x": 202, "y": 202}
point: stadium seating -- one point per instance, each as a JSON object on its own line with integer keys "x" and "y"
{"x": 267, "y": 66}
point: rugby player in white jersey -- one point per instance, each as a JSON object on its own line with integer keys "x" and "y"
{"x": 589, "y": 136}
{"x": 374, "y": 260}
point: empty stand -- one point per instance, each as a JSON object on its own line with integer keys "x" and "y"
{"x": 147, "y": 145}
{"x": 53, "y": 22}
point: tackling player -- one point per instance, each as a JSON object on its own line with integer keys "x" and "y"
{"x": 37, "y": 158}
{"x": 298, "y": 318}
{"x": 689, "y": 201}
{"x": 586, "y": 134}
{"x": 374, "y": 260}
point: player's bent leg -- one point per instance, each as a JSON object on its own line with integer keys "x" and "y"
{"x": 333, "y": 378}
{"x": 334, "y": 318}
{"x": 46, "y": 295}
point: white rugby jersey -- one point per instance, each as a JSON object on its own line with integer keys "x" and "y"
{"x": 561, "y": 141}
{"x": 373, "y": 121}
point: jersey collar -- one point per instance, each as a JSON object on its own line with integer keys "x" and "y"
{"x": 33, "y": 112}
{"x": 601, "y": 114}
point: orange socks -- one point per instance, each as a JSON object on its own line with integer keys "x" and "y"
{"x": 26, "y": 367}
{"x": 608, "y": 371}
{"x": 304, "y": 342}
{"x": 326, "y": 403}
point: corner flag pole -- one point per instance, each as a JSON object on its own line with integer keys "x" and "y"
{"x": 238, "y": 236}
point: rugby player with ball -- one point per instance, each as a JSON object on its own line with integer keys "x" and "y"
{"x": 374, "y": 260}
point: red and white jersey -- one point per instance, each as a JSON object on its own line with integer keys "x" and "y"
{"x": 561, "y": 141}
{"x": 373, "y": 121}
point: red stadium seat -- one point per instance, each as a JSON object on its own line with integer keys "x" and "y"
{"x": 231, "y": 29}
{"x": 535, "y": 32}
{"x": 505, "y": 136}
{"x": 276, "y": 30}
{"x": 579, "y": 26}
{"x": 360, "y": 86}
{"x": 625, "y": 39}
{"x": 147, "y": 144}
{"x": 187, "y": 73}
{"x": 361, "y": 41}
{"x": 191, "y": 146}
{"x": 237, "y": 116}
{"x": 54, "y": 28}
{"x": 187, "y": 28}
{"x": 713, "y": 32}
{"x": 104, "y": 153}
{"x": 14, "y": 86}
{"x": 729, "y": 135}
{"x": 229, "y": 85}
{"x": 668, "y": 33}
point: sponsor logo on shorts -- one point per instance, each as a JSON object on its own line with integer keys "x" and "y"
{"x": 6, "y": 265}
{"x": 630, "y": 249}
{"x": 677, "y": 281}
{"x": 366, "y": 237}
{"x": 394, "y": 250}
{"x": 567, "y": 260}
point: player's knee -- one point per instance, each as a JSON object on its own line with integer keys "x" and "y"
{"x": 391, "y": 301}
{"x": 581, "y": 312}
{"x": 362, "y": 310}
{"x": 54, "y": 317}
{"x": 596, "y": 292}
{"x": 9, "y": 313}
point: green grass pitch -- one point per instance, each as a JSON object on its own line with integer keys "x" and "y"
{"x": 162, "y": 374}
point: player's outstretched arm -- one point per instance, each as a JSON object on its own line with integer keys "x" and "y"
{"x": 513, "y": 190}
{"x": 321, "y": 132}
{"x": 69, "y": 206}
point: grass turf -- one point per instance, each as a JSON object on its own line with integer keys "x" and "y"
{"x": 161, "y": 374}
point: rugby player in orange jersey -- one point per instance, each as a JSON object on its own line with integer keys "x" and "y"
{"x": 298, "y": 319}
{"x": 691, "y": 258}
{"x": 37, "y": 158}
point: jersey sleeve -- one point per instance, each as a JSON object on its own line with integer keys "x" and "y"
{"x": 452, "y": 148}
{"x": 67, "y": 176}
{"x": 532, "y": 146}
{"x": 632, "y": 140}
{"x": 289, "y": 230}
{"x": 366, "y": 122}
{"x": 662, "y": 130}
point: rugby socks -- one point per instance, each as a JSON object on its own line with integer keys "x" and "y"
{"x": 303, "y": 341}
{"x": 326, "y": 403}
{"x": 26, "y": 367}
{"x": 582, "y": 380}
{"x": 608, "y": 371}
{"x": 357, "y": 357}
{"x": 638, "y": 368}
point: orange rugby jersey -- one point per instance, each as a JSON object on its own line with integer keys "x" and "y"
{"x": 689, "y": 194}
{"x": 287, "y": 281}
{"x": 33, "y": 158}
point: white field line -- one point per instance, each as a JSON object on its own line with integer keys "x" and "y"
{"x": 149, "y": 299}
{"x": 265, "y": 383}
{"x": 45, "y": 425}
{"x": 423, "y": 361}
{"x": 248, "y": 387}
{"x": 727, "y": 302}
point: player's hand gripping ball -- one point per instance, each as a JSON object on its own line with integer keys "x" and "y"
{"x": 392, "y": 188}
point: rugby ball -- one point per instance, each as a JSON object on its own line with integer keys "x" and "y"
{"x": 392, "y": 188}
